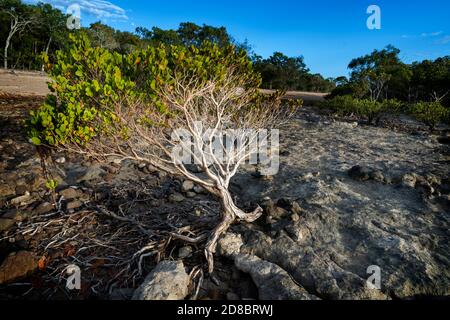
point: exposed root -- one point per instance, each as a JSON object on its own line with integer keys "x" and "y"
{"x": 228, "y": 218}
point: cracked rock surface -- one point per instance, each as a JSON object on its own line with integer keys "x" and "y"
{"x": 346, "y": 223}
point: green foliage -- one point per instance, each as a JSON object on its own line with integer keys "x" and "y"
{"x": 51, "y": 184}
{"x": 430, "y": 113}
{"x": 289, "y": 73}
{"x": 431, "y": 80}
{"x": 89, "y": 83}
{"x": 370, "y": 109}
{"x": 381, "y": 75}
{"x": 50, "y": 34}
{"x": 46, "y": 33}
{"x": 187, "y": 34}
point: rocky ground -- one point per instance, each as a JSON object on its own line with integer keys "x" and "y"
{"x": 348, "y": 196}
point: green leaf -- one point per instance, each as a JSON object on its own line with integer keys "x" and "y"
{"x": 36, "y": 141}
{"x": 153, "y": 84}
{"x": 89, "y": 92}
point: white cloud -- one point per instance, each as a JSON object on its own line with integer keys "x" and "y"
{"x": 423, "y": 35}
{"x": 431, "y": 34}
{"x": 101, "y": 9}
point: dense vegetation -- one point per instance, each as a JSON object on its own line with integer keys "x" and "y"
{"x": 282, "y": 72}
{"x": 45, "y": 31}
{"x": 90, "y": 82}
{"x": 380, "y": 83}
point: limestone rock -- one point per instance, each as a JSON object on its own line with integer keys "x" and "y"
{"x": 168, "y": 281}
{"x": 230, "y": 244}
{"x": 273, "y": 282}
{"x": 187, "y": 185}
{"x": 176, "y": 197}
{"x": 70, "y": 193}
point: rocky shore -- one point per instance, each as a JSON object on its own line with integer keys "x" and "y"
{"x": 348, "y": 196}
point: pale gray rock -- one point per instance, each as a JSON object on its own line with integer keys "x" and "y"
{"x": 168, "y": 281}
{"x": 176, "y": 197}
{"x": 187, "y": 185}
{"x": 348, "y": 224}
{"x": 21, "y": 200}
{"x": 229, "y": 244}
{"x": 273, "y": 282}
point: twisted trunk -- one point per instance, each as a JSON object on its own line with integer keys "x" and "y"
{"x": 5, "y": 52}
{"x": 47, "y": 48}
{"x": 230, "y": 214}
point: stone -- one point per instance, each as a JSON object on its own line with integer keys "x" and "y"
{"x": 161, "y": 174}
{"x": 21, "y": 200}
{"x": 17, "y": 215}
{"x": 167, "y": 281}
{"x": 229, "y": 244}
{"x": 93, "y": 173}
{"x": 176, "y": 197}
{"x": 141, "y": 165}
{"x": 150, "y": 169}
{"x": 377, "y": 175}
{"x": 70, "y": 193}
{"x": 17, "y": 266}
{"x": 6, "y": 224}
{"x": 409, "y": 180}
{"x": 43, "y": 208}
{"x": 311, "y": 175}
{"x": 295, "y": 217}
{"x": 191, "y": 194}
{"x": 359, "y": 173}
{"x": 432, "y": 179}
{"x": 273, "y": 210}
{"x": 296, "y": 209}
{"x": 184, "y": 252}
{"x": 316, "y": 272}
{"x": 60, "y": 160}
{"x": 187, "y": 185}
{"x": 273, "y": 282}
{"x": 74, "y": 204}
{"x": 297, "y": 232}
{"x": 112, "y": 169}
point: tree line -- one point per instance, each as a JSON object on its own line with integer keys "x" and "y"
{"x": 380, "y": 83}
{"x": 381, "y": 75}
{"x": 28, "y": 30}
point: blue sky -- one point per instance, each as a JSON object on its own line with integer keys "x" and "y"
{"x": 327, "y": 33}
